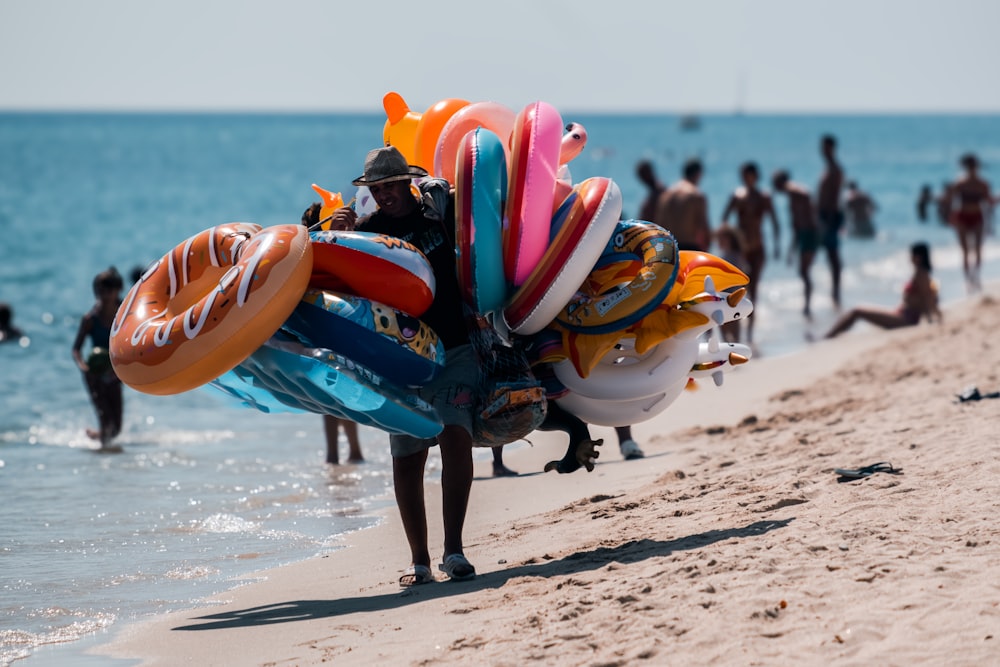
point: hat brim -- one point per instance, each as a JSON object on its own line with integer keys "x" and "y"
{"x": 412, "y": 172}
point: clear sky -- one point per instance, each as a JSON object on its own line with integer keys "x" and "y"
{"x": 585, "y": 55}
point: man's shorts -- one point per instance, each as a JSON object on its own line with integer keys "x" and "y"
{"x": 830, "y": 223}
{"x": 452, "y": 393}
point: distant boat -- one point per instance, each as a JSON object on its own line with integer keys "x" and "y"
{"x": 690, "y": 122}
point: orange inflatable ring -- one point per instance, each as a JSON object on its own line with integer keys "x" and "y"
{"x": 206, "y": 305}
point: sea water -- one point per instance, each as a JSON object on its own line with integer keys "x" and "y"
{"x": 204, "y": 493}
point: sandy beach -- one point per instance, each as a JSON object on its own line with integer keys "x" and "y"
{"x": 732, "y": 543}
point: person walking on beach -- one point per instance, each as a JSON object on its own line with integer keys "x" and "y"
{"x": 920, "y": 299}
{"x": 683, "y": 210}
{"x": 331, "y": 428}
{"x": 751, "y": 205}
{"x": 387, "y": 175}
{"x": 627, "y": 445}
{"x": 103, "y": 386}
{"x": 830, "y": 214}
{"x": 860, "y": 208}
{"x": 654, "y": 188}
{"x": 969, "y": 200}
{"x": 805, "y": 229}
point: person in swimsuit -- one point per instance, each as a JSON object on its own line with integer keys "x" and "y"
{"x": 646, "y": 174}
{"x": 8, "y": 332}
{"x": 967, "y": 199}
{"x": 805, "y": 229}
{"x": 751, "y": 205}
{"x": 682, "y": 209}
{"x": 829, "y": 211}
{"x": 103, "y": 386}
{"x": 920, "y": 299}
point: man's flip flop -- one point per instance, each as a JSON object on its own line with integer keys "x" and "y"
{"x": 866, "y": 471}
{"x": 457, "y": 567}
{"x": 415, "y": 575}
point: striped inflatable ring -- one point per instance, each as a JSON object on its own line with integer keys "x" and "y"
{"x": 393, "y": 344}
{"x": 480, "y": 189}
{"x": 633, "y": 276}
{"x": 492, "y": 116}
{"x": 580, "y": 232}
{"x": 534, "y": 162}
{"x": 207, "y": 304}
{"x": 376, "y": 266}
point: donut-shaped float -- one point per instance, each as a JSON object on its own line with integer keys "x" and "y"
{"x": 395, "y": 345}
{"x": 534, "y": 162}
{"x": 207, "y": 304}
{"x": 480, "y": 189}
{"x": 634, "y": 275}
{"x": 492, "y": 116}
{"x": 377, "y": 266}
{"x": 582, "y": 227}
{"x": 283, "y": 372}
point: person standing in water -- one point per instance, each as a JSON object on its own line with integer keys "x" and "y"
{"x": 829, "y": 211}
{"x": 8, "y": 332}
{"x": 968, "y": 199}
{"x": 683, "y": 210}
{"x": 103, "y": 386}
{"x": 805, "y": 230}
{"x": 751, "y": 205}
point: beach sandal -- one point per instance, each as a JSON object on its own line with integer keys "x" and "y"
{"x": 848, "y": 474}
{"x": 415, "y": 575}
{"x": 972, "y": 393}
{"x": 630, "y": 450}
{"x": 457, "y": 568}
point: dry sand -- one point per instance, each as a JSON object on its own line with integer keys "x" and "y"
{"x": 732, "y": 543}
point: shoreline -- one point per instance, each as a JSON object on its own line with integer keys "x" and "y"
{"x": 533, "y": 537}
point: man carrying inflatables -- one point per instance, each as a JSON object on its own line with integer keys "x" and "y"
{"x": 388, "y": 175}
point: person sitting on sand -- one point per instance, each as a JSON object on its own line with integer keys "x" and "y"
{"x": 920, "y": 299}
{"x": 103, "y": 386}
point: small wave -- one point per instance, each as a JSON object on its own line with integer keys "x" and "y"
{"x": 18, "y": 644}
{"x": 224, "y": 523}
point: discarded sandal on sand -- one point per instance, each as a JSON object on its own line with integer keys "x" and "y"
{"x": 848, "y": 474}
{"x": 457, "y": 567}
{"x": 415, "y": 575}
{"x": 972, "y": 393}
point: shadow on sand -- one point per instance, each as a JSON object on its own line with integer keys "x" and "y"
{"x": 629, "y": 552}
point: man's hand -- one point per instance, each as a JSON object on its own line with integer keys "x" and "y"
{"x": 343, "y": 219}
